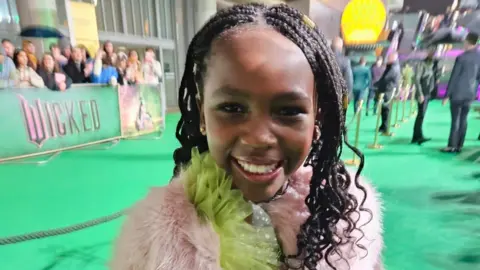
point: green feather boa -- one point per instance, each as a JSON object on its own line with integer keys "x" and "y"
{"x": 242, "y": 246}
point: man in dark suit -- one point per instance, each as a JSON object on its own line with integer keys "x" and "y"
{"x": 388, "y": 85}
{"x": 345, "y": 66}
{"x": 76, "y": 68}
{"x": 461, "y": 91}
{"x": 425, "y": 84}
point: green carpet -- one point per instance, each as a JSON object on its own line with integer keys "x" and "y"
{"x": 431, "y": 200}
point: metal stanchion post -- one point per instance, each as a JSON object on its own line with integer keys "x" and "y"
{"x": 397, "y": 108}
{"x": 412, "y": 102}
{"x": 388, "y": 133}
{"x": 404, "y": 105}
{"x": 375, "y": 144}
{"x": 354, "y": 161}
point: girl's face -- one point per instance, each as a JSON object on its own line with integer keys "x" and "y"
{"x": 56, "y": 51}
{"x": 67, "y": 52}
{"x": 149, "y": 56}
{"x": 84, "y": 54}
{"x": 22, "y": 58}
{"x": 134, "y": 55}
{"x": 122, "y": 64}
{"x": 109, "y": 47}
{"x": 31, "y": 48}
{"x": 77, "y": 55}
{"x": 258, "y": 109}
{"x": 48, "y": 62}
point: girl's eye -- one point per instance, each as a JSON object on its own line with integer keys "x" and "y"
{"x": 290, "y": 111}
{"x": 232, "y": 108}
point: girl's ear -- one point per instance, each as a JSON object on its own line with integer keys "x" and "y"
{"x": 316, "y": 133}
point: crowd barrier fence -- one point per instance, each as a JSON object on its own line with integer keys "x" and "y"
{"x": 38, "y": 121}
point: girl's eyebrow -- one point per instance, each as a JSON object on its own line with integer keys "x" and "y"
{"x": 293, "y": 95}
{"x": 228, "y": 91}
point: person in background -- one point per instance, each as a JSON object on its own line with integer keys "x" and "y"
{"x": 396, "y": 29}
{"x": 434, "y": 24}
{"x": 345, "y": 65}
{"x": 8, "y": 47}
{"x": 362, "y": 79}
{"x": 439, "y": 71}
{"x": 27, "y": 76}
{"x": 29, "y": 49}
{"x": 133, "y": 60}
{"x": 53, "y": 77}
{"x": 134, "y": 68}
{"x": 8, "y": 74}
{"x": 461, "y": 92}
{"x": 388, "y": 85}
{"x": 377, "y": 70}
{"x": 103, "y": 70}
{"x": 77, "y": 69}
{"x": 425, "y": 84}
{"x": 393, "y": 30}
{"x": 122, "y": 60}
{"x": 57, "y": 55}
{"x": 67, "y": 51}
{"x": 447, "y": 17}
{"x": 408, "y": 75}
{"x": 110, "y": 52}
{"x": 86, "y": 57}
{"x": 152, "y": 69}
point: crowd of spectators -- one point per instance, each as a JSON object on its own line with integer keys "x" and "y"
{"x": 59, "y": 68}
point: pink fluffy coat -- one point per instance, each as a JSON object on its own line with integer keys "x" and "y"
{"x": 162, "y": 232}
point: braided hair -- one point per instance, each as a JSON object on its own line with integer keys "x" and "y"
{"x": 328, "y": 202}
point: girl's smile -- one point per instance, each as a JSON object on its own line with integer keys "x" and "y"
{"x": 261, "y": 97}
{"x": 258, "y": 109}
{"x": 257, "y": 171}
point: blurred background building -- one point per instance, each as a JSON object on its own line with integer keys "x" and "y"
{"x": 165, "y": 25}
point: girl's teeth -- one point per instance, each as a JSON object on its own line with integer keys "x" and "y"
{"x": 259, "y": 169}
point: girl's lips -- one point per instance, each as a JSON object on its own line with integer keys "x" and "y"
{"x": 258, "y": 177}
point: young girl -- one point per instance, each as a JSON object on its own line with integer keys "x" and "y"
{"x": 53, "y": 77}
{"x": 134, "y": 68}
{"x": 258, "y": 181}
{"x": 110, "y": 52}
{"x": 103, "y": 70}
{"x": 27, "y": 76}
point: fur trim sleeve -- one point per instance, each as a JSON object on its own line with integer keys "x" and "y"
{"x": 289, "y": 212}
{"x": 369, "y": 232}
{"x": 162, "y": 232}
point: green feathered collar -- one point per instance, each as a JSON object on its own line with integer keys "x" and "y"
{"x": 242, "y": 246}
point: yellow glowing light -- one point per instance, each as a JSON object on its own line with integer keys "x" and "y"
{"x": 363, "y": 21}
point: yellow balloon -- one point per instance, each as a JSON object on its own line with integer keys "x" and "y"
{"x": 363, "y": 21}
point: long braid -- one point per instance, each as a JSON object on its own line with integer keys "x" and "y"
{"x": 328, "y": 204}
{"x": 188, "y": 127}
{"x": 337, "y": 204}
